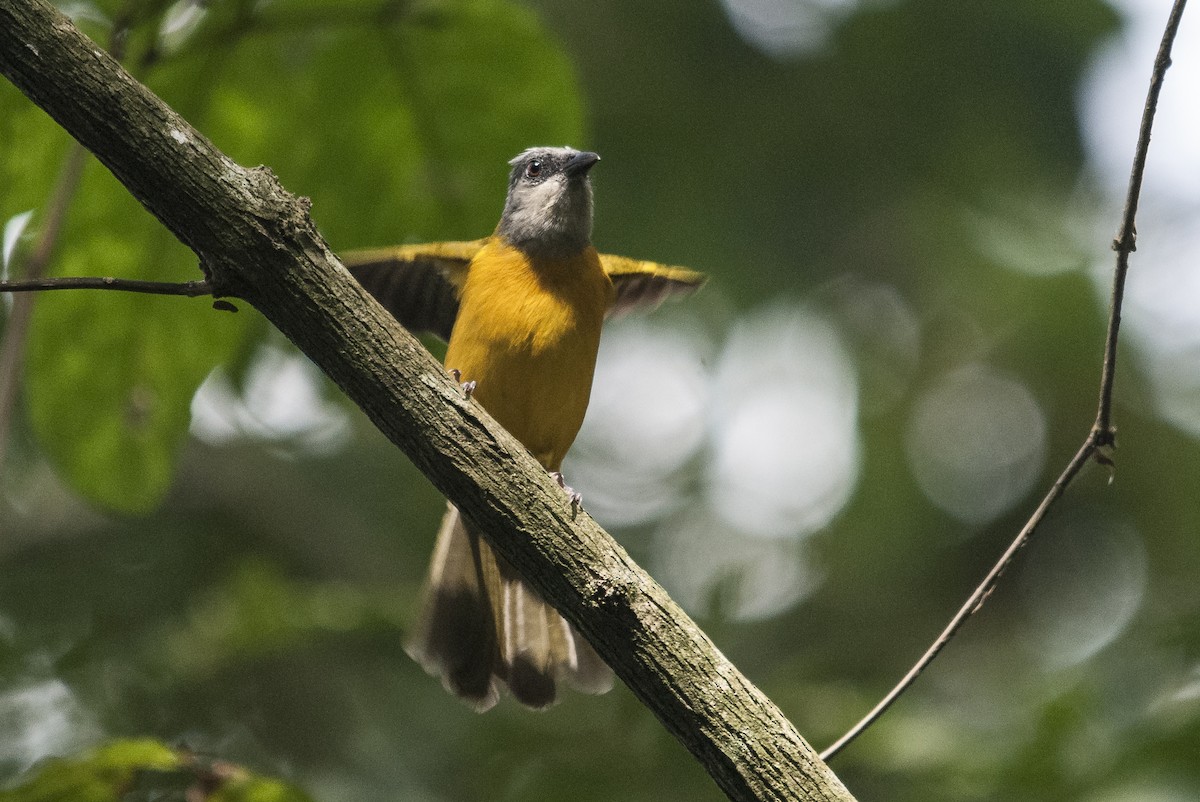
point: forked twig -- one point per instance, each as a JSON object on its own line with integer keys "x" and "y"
{"x": 1102, "y": 434}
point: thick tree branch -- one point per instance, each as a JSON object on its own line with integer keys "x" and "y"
{"x": 1102, "y": 435}
{"x": 256, "y": 241}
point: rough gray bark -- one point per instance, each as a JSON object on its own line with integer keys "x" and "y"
{"x": 255, "y": 241}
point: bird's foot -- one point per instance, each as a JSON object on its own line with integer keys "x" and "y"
{"x": 574, "y": 495}
{"x": 467, "y": 387}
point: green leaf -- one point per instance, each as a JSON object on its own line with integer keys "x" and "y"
{"x": 32, "y": 153}
{"x": 100, "y": 776}
{"x": 127, "y": 770}
{"x": 397, "y": 131}
{"x": 498, "y": 85}
{"x": 397, "y": 128}
{"x": 258, "y": 612}
{"x": 110, "y": 375}
{"x": 259, "y": 789}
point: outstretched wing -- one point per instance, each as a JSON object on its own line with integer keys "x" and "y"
{"x": 645, "y": 285}
{"x": 420, "y": 284}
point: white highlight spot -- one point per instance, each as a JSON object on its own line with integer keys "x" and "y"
{"x": 13, "y": 228}
{"x": 977, "y": 443}
{"x": 178, "y": 136}
{"x": 282, "y": 402}
{"x": 179, "y": 23}
{"x": 645, "y": 422}
{"x": 708, "y": 567}
{"x": 788, "y": 28}
{"x": 1081, "y": 584}
{"x": 41, "y": 719}
{"x": 786, "y": 449}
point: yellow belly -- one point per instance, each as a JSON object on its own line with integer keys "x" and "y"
{"x": 527, "y": 333}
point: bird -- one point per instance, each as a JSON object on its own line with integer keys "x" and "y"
{"x": 521, "y": 311}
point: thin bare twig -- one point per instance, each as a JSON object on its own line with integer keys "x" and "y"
{"x": 1125, "y": 242}
{"x": 1102, "y": 434}
{"x": 190, "y": 289}
{"x": 974, "y": 602}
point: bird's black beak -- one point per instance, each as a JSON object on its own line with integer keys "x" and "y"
{"x": 580, "y": 163}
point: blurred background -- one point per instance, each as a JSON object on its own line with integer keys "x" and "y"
{"x": 906, "y": 209}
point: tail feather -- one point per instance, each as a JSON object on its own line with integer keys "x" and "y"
{"x": 454, "y": 638}
{"x": 481, "y": 625}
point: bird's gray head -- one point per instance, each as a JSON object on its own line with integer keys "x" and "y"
{"x": 549, "y": 207}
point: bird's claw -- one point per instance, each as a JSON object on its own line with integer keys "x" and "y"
{"x": 468, "y": 388}
{"x": 574, "y": 495}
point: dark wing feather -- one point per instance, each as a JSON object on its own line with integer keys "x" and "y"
{"x": 418, "y": 284}
{"x": 641, "y": 284}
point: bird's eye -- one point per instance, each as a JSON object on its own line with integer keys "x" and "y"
{"x": 533, "y": 169}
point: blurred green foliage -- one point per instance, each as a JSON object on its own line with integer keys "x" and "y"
{"x": 416, "y": 140}
{"x": 127, "y": 771}
{"x": 913, "y": 180}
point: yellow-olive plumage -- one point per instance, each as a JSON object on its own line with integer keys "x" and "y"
{"x": 527, "y": 333}
{"x": 522, "y": 311}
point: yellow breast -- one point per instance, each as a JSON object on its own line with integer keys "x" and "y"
{"x": 527, "y": 333}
